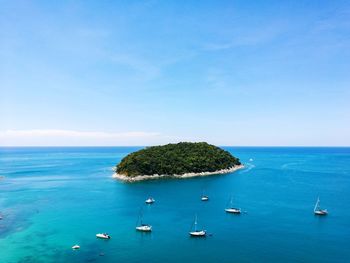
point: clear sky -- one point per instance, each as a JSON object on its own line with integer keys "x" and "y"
{"x": 151, "y": 72}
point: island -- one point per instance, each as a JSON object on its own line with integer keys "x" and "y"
{"x": 181, "y": 160}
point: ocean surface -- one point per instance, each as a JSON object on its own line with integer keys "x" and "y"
{"x": 54, "y": 198}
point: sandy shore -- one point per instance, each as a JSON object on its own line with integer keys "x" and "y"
{"x": 180, "y": 176}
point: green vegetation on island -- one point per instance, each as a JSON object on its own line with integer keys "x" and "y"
{"x": 180, "y": 158}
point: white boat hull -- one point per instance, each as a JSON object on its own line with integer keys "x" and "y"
{"x": 201, "y": 233}
{"x": 233, "y": 210}
{"x": 103, "y": 236}
{"x": 144, "y": 228}
{"x": 205, "y": 198}
{"x": 150, "y": 201}
{"x": 321, "y": 212}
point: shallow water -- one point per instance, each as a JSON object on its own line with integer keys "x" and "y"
{"x": 53, "y": 198}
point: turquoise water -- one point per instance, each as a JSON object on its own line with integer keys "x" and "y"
{"x": 53, "y": 198}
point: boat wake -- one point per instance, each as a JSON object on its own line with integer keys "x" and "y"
{"x": 286, "y": 166}
{"x": 247, "y": 167}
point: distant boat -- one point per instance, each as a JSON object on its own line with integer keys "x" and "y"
{"x": 141, "y": 226}
{"x": 150, "y": 200}
{"x": 194, "y": 232}
{"x": 232, "y": 209}
{"x": 75, "y": 247}
{"x": 204, "y": 197}
{"x": 318, "y": 210}
{"x": 103, "y": 236}
{"x": 144, "y": 228}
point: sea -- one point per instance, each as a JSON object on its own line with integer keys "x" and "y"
{"x": 52, "y": 198}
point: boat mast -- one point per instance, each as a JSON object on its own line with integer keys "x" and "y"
{"x": 317, "y": 204}
{"x": 139, "y": 220}
{"x": 195, "y": 224}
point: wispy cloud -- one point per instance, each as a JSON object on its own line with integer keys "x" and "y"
{"x": 48, "y": 137}
{"x": 249, "y": 37}
{"x": 147, "y": 70}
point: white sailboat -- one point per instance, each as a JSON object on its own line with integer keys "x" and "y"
{"x": 144, "y": 228}
{"x": 232, "y": 209}
{"x": 318, "y": 210}
{"x": 195, "y": 232}
{"x": 140, "y": 226}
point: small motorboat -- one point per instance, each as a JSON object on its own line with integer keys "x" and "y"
{"x": 144, "y": 228}
{"x": 196, "y": 232}
{"x": 103, "y": 236}
{"x": 318, "y": 210}
{"x": 233, "y": 210}
{"x": 205, "y": 198}
{"x": 150, "y": 200}
{"x": 75, "y": 247}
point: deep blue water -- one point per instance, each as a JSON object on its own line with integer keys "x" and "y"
{"x": 53, "y": 198}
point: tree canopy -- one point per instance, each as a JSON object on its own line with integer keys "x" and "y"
{"x": 180, "y": 158}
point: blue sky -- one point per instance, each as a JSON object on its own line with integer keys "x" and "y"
{"x": 151, "y": 72}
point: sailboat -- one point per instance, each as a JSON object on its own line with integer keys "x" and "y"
{"x": 232, "y": 209}
{"x": 141, "y": 226}
{"x": 318, "y": 210}
{"x": 195, "y": 232}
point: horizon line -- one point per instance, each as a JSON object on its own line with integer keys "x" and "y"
{"x": 111, "y": 146}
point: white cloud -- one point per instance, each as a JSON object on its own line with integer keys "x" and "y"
{"x": 48, "y": 137}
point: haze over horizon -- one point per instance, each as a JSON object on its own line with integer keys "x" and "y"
{"x": 235, "y": 73}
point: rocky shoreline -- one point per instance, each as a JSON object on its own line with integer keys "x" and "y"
{"x": 179, "y": 176}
